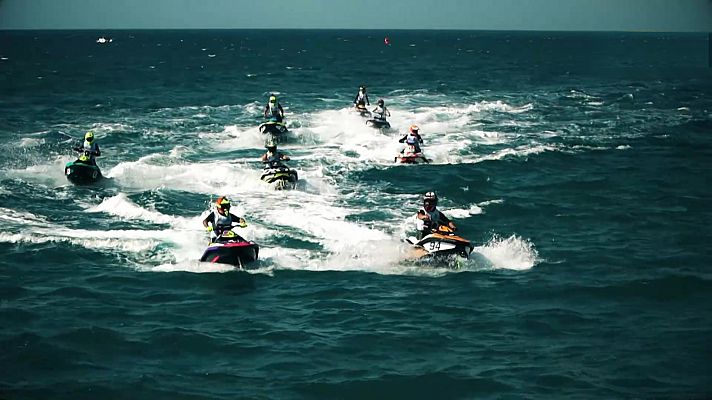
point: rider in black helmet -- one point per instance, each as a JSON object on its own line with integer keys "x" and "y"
{"x": 381, "y": 111}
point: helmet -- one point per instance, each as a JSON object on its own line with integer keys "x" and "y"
{"x": 430, "y": 200}
{"x": 223, "y": 204}
{"x": 380, "y": 102}
{"x": 273, "y": 99}
{"x": 414, "y": 129}
{"x": 89, "y": 136}
{"x": 362, "y": 88}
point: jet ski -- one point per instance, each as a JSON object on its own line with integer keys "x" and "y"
{"x": 231, "y": 248}
{"x": 362, "y": 110}
{"x": 283, "y": 177}
{"x": 378, "y": 123}
{"x": 411, "y": 156}
{"x": 82, "y": 171}
{"x": 441, "y": 242}
{"x": 274, "y": 130}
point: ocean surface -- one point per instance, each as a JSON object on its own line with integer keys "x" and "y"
{"x": 579, "y": 164}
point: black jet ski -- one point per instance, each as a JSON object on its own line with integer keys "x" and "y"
{"x": 231, "y": 248}
{"x": 274, "y": 130}
{"x": 362, "y": 111}
{"x": 441, "y": 242}
{"x": 378, "y": 123}
{"x": 283, "y": 177}
{"x": 82, "y": 171}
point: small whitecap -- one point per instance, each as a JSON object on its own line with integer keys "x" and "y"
{"x": 211, "y": 55}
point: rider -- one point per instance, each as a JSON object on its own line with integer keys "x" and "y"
{"x": 361, "y": 100}
{"x": 218, "y": 224}
{"x": 412, "y": 138}
{"x": 380, "y": 112}
{"x": 89, "y": 147}
{"x": 273, "y": 109}
{"x": 429, "y": 218}
{"x": 272, "y": 157}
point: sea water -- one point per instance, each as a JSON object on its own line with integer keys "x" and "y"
{"x": 578, "y": 164}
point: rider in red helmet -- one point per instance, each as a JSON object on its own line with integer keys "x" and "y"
{"x": 217, "y": 223}
{"x": 412, "y": 138}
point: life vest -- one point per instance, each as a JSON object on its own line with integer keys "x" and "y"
{"x": 274, "y": 110}
{"x": 273, "y": 159}
{"x": 436, "y": 219}
{"x": 379, "y": 114}
{"x": 222, "y": 222}
{"x": 89, "y": 146}
{"x": 412, "y": 140}
{"x": 361, "y": 98}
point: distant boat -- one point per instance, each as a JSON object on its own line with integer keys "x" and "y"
{"x": 104, "y": 40}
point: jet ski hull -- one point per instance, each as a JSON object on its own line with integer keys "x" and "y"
{"x": 275, "y": 132}
{"x": 439, "y": 245}
{"x": 363, "y": 111}
{"x": 282, "y": 178}
{"x": 239, "y": 253}
{"x": 411, "y": 158}
{"x": 378, "y": 124}
{"x": 81, "y": 173}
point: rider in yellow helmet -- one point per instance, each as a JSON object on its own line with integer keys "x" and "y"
{"x": 89, "y": 148}
{"x": 273, "y": 110}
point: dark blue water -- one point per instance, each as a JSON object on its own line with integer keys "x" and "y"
{"x": 578, "y": 163}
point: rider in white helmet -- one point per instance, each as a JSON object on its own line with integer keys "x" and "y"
{"x": 429, "y": 217}
{"x": 361, "y": 100}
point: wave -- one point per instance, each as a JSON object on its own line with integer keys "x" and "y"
{"x": 513, "y": 253}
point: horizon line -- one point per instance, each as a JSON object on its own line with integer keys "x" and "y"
{"x": 349, "y": 29}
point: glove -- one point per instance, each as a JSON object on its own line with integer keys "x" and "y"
{"x": 209, "y": 228}
{"x": 243, "y": 223}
